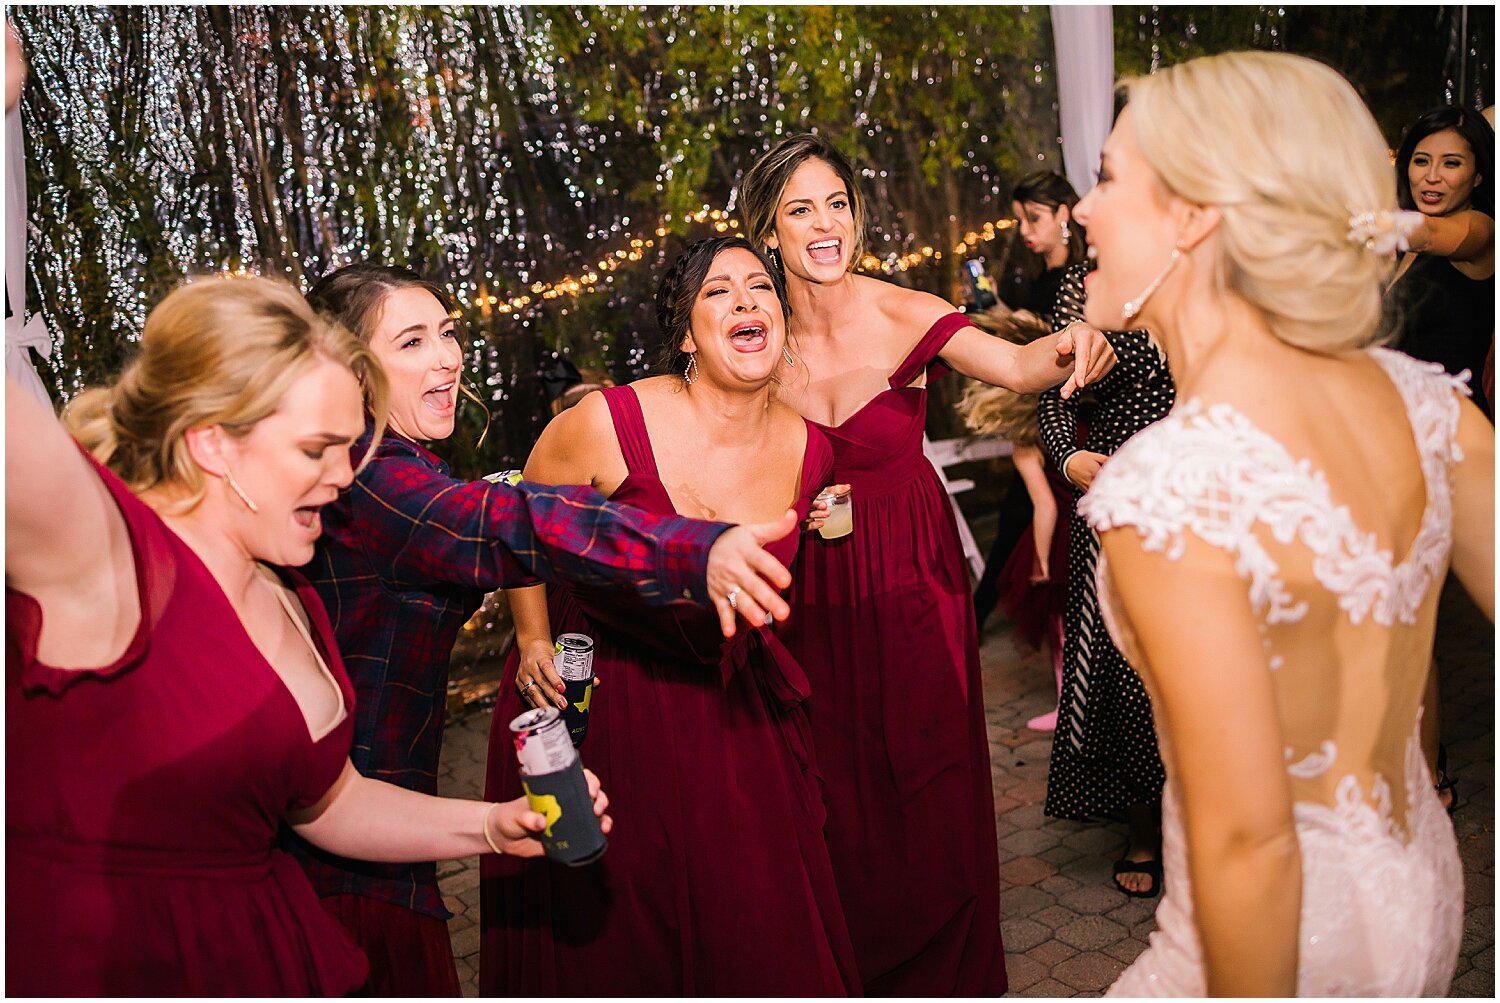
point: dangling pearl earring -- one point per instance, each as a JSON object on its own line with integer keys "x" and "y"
{"x": 787, "y": 355}
{"x": 1132, "y": 308}
{"x": 690, "y": 371}
{"x": 775, "y": 257}
{"x": 1066, "y": 234}
{"x": 235, "y": 487}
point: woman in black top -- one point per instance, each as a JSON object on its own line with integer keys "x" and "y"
{"x": 1443, "y": 294}
{"x": 1043, "y": 203}
{"x": 1444, "y": 290}
{"x": 1105, "y": 762}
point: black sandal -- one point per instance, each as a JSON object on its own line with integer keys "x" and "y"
{"x": 1150, "y": 868}
{"x": 1445, "y": 784}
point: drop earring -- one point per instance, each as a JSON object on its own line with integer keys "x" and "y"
{"x": 235, "y": 487}
{"x": 690, "y": 371}
{"x": 775, "y": 257}
{"x": 1132, "y": 308}
{"x": 787, "y": 355}
{"x": 1067, "y": 235}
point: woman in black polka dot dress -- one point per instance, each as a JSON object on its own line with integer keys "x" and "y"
{"x": 1105, "y": 761}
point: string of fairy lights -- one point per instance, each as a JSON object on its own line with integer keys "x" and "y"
{"x": 721, "y": 221}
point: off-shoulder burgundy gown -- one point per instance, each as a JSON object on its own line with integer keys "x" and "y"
{"x": 883, "y": 622}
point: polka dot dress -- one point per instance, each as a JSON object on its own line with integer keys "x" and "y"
{"x": 1104, "y": 753}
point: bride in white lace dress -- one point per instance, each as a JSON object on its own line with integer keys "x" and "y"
{"x": 1250, "y": 538}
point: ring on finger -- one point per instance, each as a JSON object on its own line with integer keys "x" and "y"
{"x": 733, "y": 597}
{"x": 528, "y": 686}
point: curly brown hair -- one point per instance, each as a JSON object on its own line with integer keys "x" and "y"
{"x": 678, "y": 291}
{"x": 995, "y": 410}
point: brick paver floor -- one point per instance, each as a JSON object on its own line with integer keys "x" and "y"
{"x": 1068, "y": 931}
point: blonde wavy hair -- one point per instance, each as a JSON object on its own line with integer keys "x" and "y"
{"x": 1286, "y": 150}
{"x": 216, "y": 351}
{"x": 995, "y": 410}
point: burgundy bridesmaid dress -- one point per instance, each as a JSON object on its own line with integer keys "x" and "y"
{"x": 142, "y": 800}
{"x": 717, "y": 880}
{"x": 883, "y": 622}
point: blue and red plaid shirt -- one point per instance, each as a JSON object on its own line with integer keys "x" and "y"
{"x": 406, "y": 558}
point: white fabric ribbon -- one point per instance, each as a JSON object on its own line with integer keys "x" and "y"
{"x": 1386, "y": 232}
{"x": 1084, "y": 39}
{"x": 20, "y": 334}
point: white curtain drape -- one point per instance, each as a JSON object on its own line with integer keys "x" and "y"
{"x": 20, "y": 334}
{"x": 1085, "y": 42}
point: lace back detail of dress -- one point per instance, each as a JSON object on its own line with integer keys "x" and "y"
{"x": 1209, "y": 471}
{"x": 1341, "y": 621}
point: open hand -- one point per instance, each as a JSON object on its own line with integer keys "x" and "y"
{"x": 744, "y": 580}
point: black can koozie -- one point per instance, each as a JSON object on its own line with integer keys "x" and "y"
{"x": 580, "y": 695}
{"x": 572, "y": 835}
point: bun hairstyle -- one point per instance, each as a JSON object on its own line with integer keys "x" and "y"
{"x": 760, "y": 191}
{"x": 991, "y": 410}
{"x": 1285, "y": 149}
{"x": 678, "y": 292}
{"x": 354, "y": 296}
{"x": 217, "y": 351}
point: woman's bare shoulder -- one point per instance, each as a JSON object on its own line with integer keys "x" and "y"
{"x": 903, "y": 314}
{"x": 908, "y": 307}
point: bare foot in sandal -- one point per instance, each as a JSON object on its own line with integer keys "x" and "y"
{"x": 1138, "y": 872}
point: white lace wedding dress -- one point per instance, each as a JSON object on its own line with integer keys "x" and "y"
{"x": 1347, "y": 634}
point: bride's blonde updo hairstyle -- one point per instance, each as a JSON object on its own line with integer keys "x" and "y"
{"x": 1284, "y": 147}
{"x": 217, "y": 351}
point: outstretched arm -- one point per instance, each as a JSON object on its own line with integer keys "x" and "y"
{"x": 66, "y": 544}
{"x": 578, "y": 448}
{"x": 1031, "y": 368}
{"x": 1464, "y": 236}
{"x": 423, "y": 526}
{"x": 1215, "y": 710}
{"x": 1045, "y": 363}
{"x": 365, "y": 819}
{"x": 1474, "y": 508}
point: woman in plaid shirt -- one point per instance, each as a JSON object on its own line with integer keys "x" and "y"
{"x": 406, "y": 557}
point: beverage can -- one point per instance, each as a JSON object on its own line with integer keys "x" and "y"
{"x": 543, "y": 744}
{"x": 573, "y": 657}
